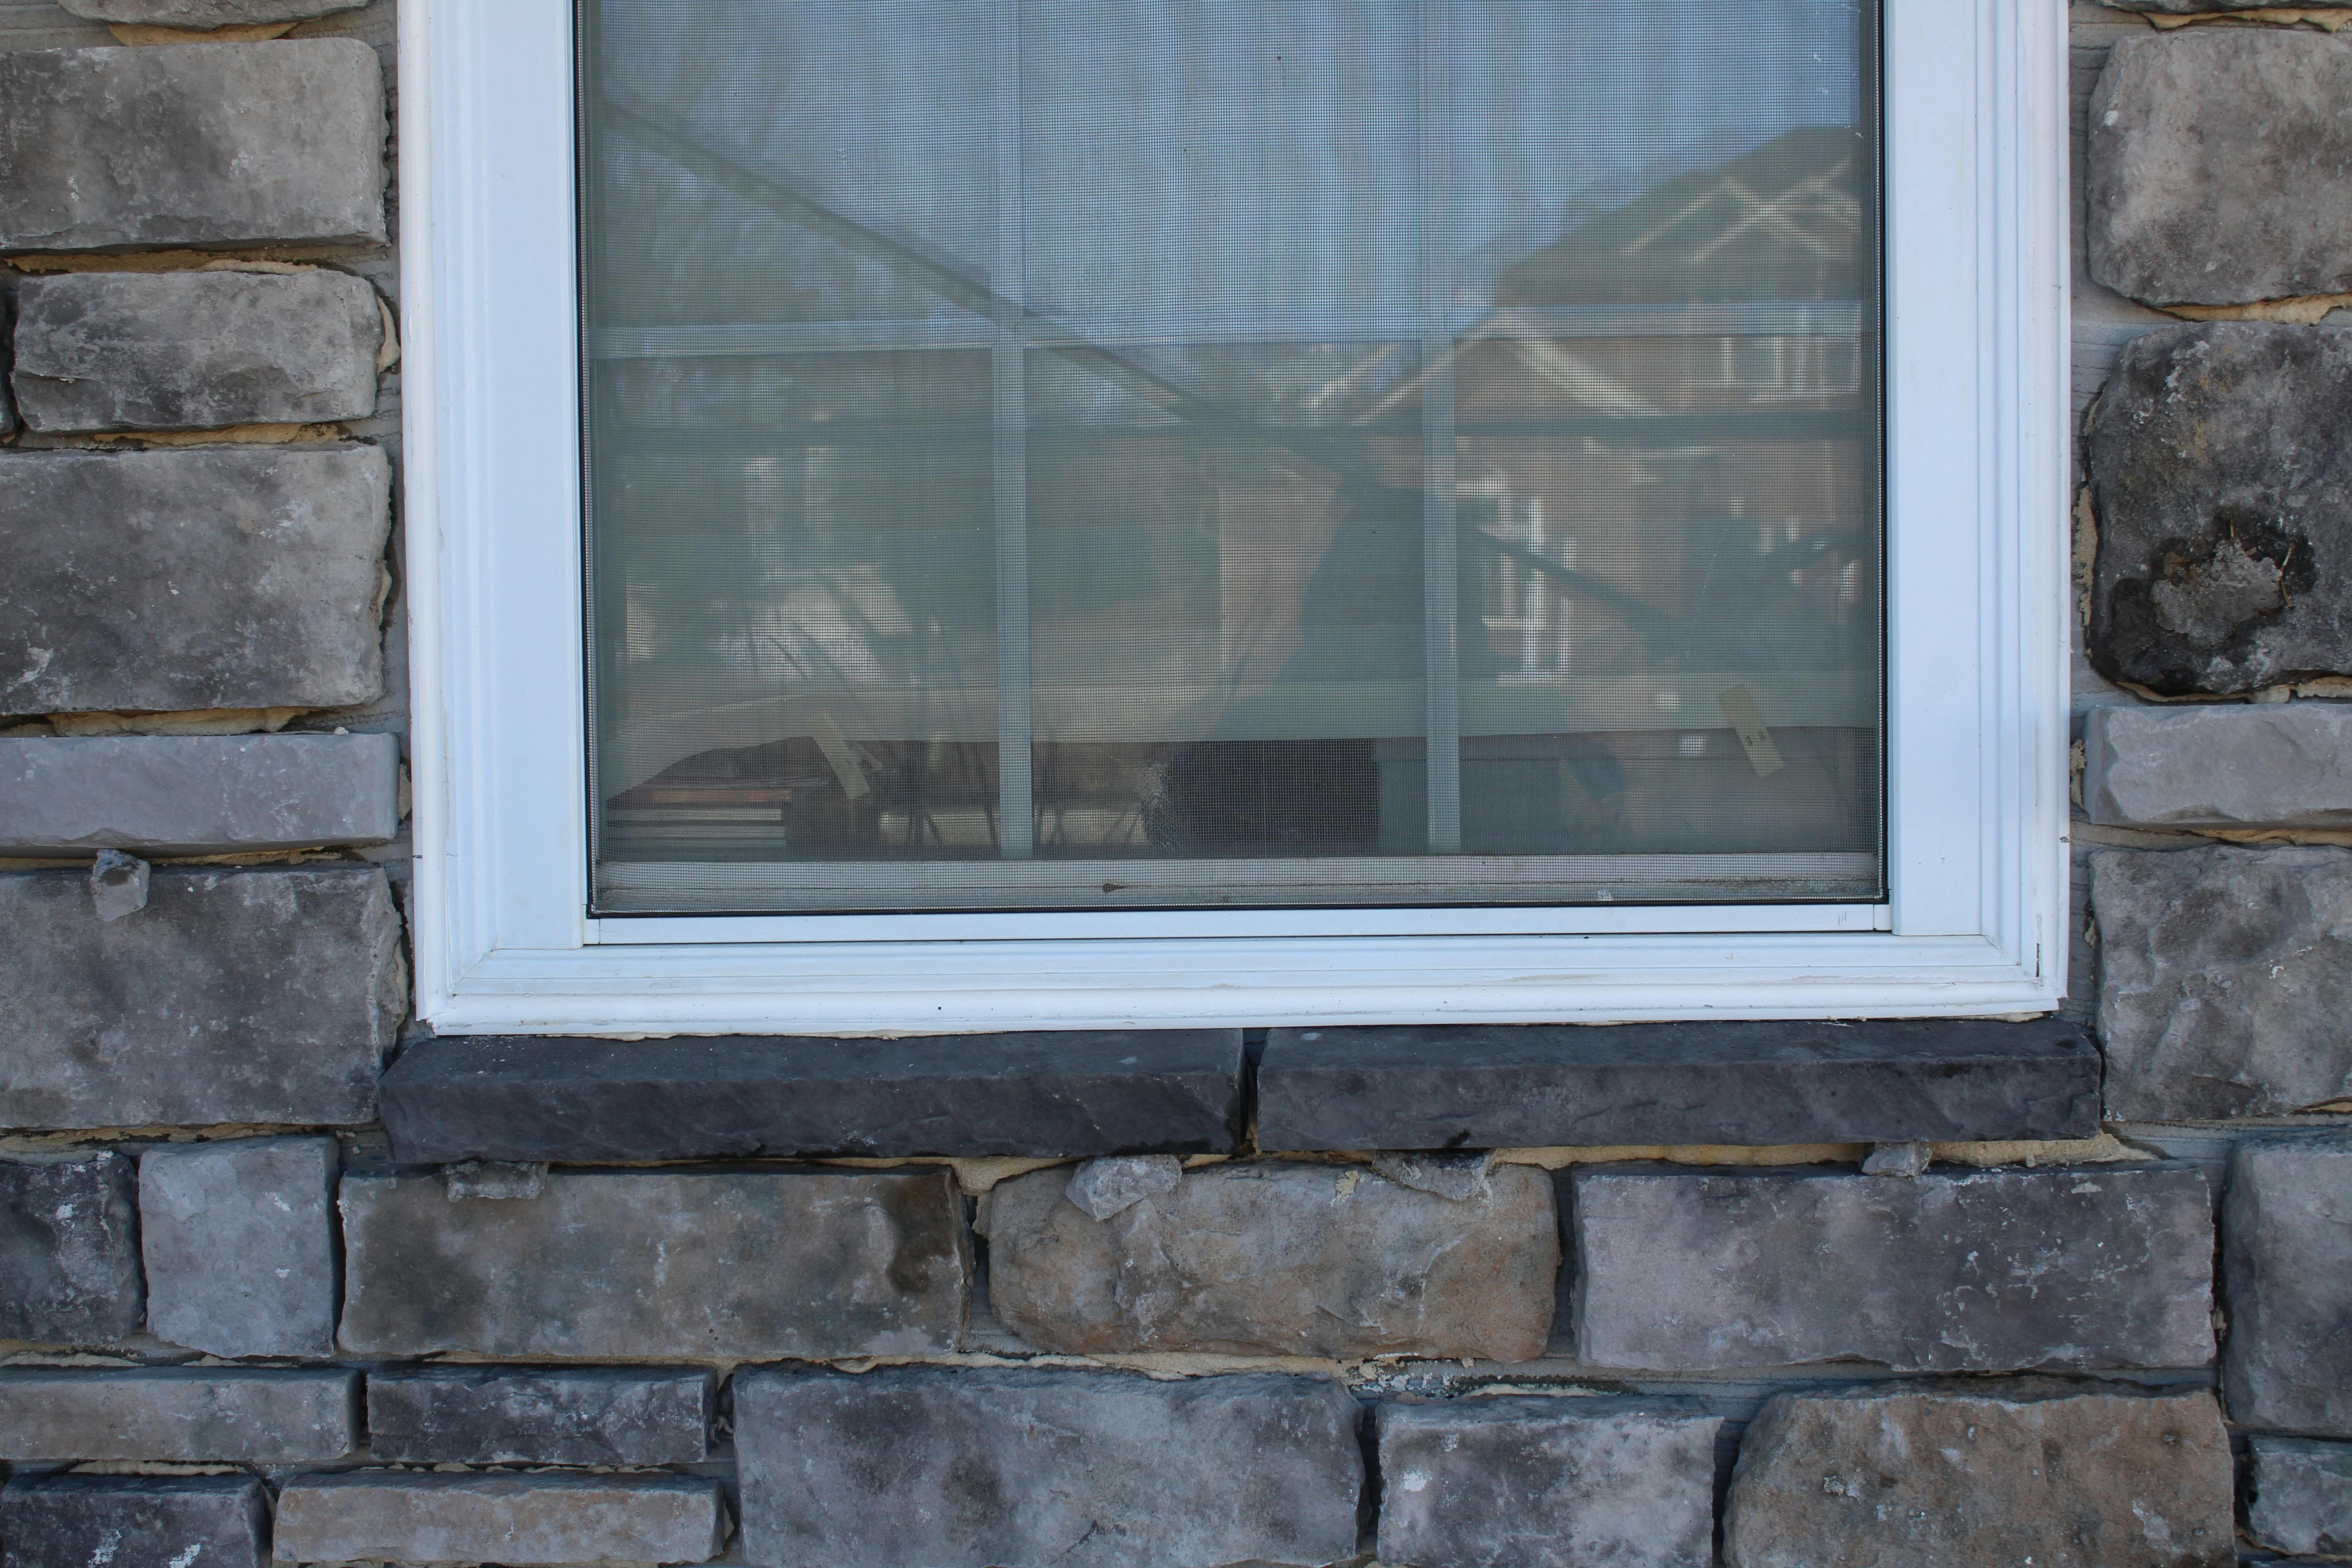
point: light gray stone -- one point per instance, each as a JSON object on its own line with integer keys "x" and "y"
{"x": 491, "y": 1181}
{"x": 196, "y": 144}
{"x": 521, "y": 1415}
{"x": 170, "y": 1414}
{"x": 1014, "y": 1467}
{"x": 1987, "y": 1272}
{"x": 1107, "y": 1186}
{"x": 136, "y": 1521}
{"x": 262, "y": 995}
{"x": 379, "y": 1516}
{"x": 1903, "y": 1160}
{"x": 1279, "y": 1259}
{"x": 2286, "y": 1267}
{"x": 69, "y": 1251}
{"x": 118, "y": 884}
{"x": 2217, "y": 160}
{"x": 198, "y": 577}
{"x": 239, "y": 1244}
{"x": 190, "y": 350}
{"x": 197, "y": 795}
{"x": 203, "y": 16}
{"x": 2301, "y": 1499}
{"x": 658, "y": 1263}
{"x": 1546, "y": 1483}
{"x": 2222, "y": 974}
{"x": 2228, "y": 765}
{"x": 2206, "y": 8}
{"x": 2039, "y": 1473}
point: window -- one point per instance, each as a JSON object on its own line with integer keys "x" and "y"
{"x": 948, "y": 514}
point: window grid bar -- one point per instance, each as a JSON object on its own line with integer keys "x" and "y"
{"x": 1441, "y": 539}
{"x": 1015, "y": 796}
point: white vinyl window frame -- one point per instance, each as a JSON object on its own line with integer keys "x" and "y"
{"x": 1977, "y": 558}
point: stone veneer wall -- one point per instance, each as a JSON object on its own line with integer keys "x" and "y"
{"x": 283, "y": 1278}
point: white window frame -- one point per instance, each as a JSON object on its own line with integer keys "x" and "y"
{"x": 1978, "y": 470}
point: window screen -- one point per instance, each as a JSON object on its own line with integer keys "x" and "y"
{"x": 1166, "y": 453}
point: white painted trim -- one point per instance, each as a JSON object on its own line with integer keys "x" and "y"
{"x": 1977, "y": 566}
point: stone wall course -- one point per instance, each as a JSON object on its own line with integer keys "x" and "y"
{"x": 179, "y": 1415}
{"x": 378, "y": 1516}
{"x": 69, "y": 1250}
{"x": 197, "y": 795}
{"x": 205, "y": 15}
{"x": 2286, "y": 1261}
{"x": 2223, "y": 765}
{"x": 238, "y": 1239}
{"x": 135, "y": 1521}
{"x": 521, "y": 1415}
{"x": 2300, "y": 1496}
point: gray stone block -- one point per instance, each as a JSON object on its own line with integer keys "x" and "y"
{"x": 2042, "y": 1473}
{"x": 1279, "y": 1259}
{"x": 2300, "y": 1498}
{"x": 197, "y": 144}
{"x": 69, "y": 1251}
{"x": 1990, "y": 1271}
{"x": 191, "y": 351}
{"x": 1527, "y": 1087}
{"x": 197, "y": 795}
{"x": 2286, "y": 1269}
{"x": 524, "y": 1417}
{"x": 263, "y": 995}
{"x": 1047, "y": 1095}
{"x": 196, "y": 577}
{"x": 2228, "y": 765}
{"x": 170, "y": 1414}
{"x": 136, "y": 1521}
{"x": 2221, "y": 973}
{"x": 2205, "y": 7}
{"x": 2224, "y": 498}
{"x": 203, "y": 15}
{"x": 239, "y": 1244}
{"x": 387, "y": 1516}
{"x": 654, "y": 1264}
{"x": 1546, "y": 1483}
{"x": 1005, "y": 1468}
{"x": 2216, "y": 164}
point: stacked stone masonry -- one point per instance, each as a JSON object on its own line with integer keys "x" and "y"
{"x": 285, "y": 1279}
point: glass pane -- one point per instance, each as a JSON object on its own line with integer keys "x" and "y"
{"x": 1117, "y": 453}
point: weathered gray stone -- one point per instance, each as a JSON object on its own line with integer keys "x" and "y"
{"x": 1002, "y": 1467}
{"x": 118, "y": 884}
{"x": 1988, "y": 1271}
{"x": 2222, "y": 975}
{"x": 1171, "y": 1091}
{"x": 239, "y": 1243}
{"x": 196, "y": 577}
{"x": 136, "y": 1521}
{"x": 2224, "y": 499}
{"x": 1279, "y": 1259}
{"x": 264, "y": 995}
{"x": 707, "y": 1263}
{"x": 2231, "y": 765}
{"x": 525, "y": 1416}
{"x": 2039, "y": 1473}
{"x": 203, "y": 16}
{"x": 2301, "y": 1499}
{"x": 2217, "y": 163}
{"x": 69, "y": 1251}
{"x": 1540, "y": 1086}
{"x": 494, "y": 1179}
{"x": 1546, "y": 1483}
{"x": 389, "y": 1516}
{"x": 201, "y": 145}
{"x": 197, "y": 795}
{"x": 2287, "y": 1268}
{"x": 1118, "y": 1183}
{"x": 2201, "y": 7}
{"x": 207, "y": 1415}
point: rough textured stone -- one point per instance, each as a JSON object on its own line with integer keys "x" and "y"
{"x": 523, "y": 1416}
{"x": 1985, "y": 1272}
{"x": 188, "y": 351}
{"x": 69, "y": 1251}
{"x": 202, "y": 144}
{"x": 1279, "y": 1259}
{"x": 239, "y": 1243}
{"x": 2222, "y": 974}
{"x": 1546, "y": 1483}
{"x": 2199, "y": 7}
{"x": 2301, "y": 1499}
{"x": 1111, "y": 1186}
{"x": 2217, "y": 163}
{"x": 199, "y": 577}
{"x": 2221, "y": 765}
{"x": 2223, "y": 489}
{"x": 212, "y": 1415}
{"x": 1911, "y": 1479}
{"x": 197, "y": 795}
{"x": 379, "y": 1516}
{"x": 260, "y": 995}
{"x": 1001, "y": 1467}
{"x": 715, "y": 1264}
{"x": 136, "y": 1521}
{"x": 118, "y": 884}
{"x": 1048, "y": 1095}
{"x": 2285, "y": 1260}
{"x": 1522, "y": 1087}
{"x": 203, "y": 15}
